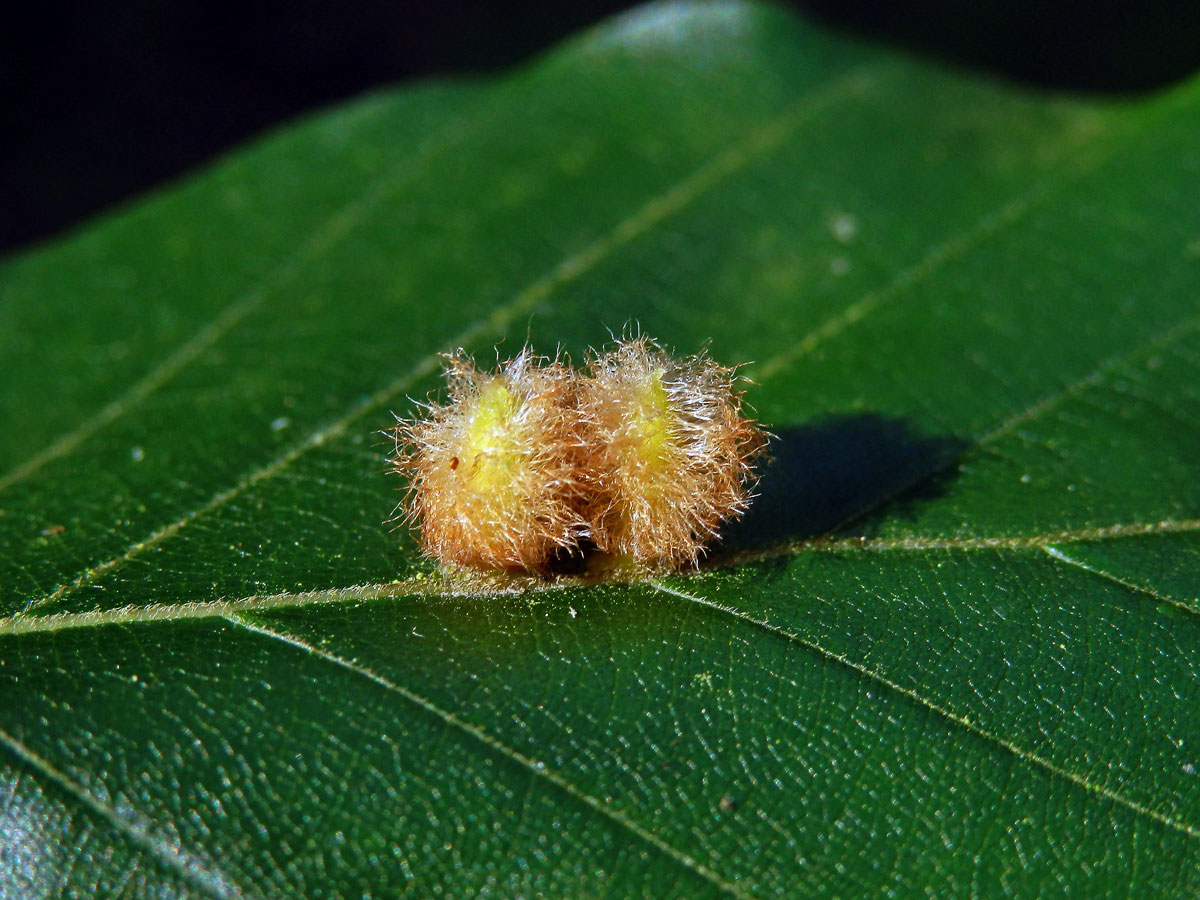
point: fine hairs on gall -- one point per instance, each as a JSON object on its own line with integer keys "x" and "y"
{"x": 669, "y": 454}
{"x": 493, "y": 473}
{"x": 639, "y": 458}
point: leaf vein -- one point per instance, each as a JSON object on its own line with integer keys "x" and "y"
{"x": 494, "y": 745}
{"x": 1030, "y": 413}
{"x": 945, "y": 252}
{"x": 948, "y": 715}
{"x": 1059, "y": 556}
{"x": 203, "y": 877}
{"x": 919, "y": 543}
{"x": 319, "y": 241}
{"x": 1006, "y": 215}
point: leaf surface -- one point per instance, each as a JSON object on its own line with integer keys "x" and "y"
{"x": 954, "y": 649}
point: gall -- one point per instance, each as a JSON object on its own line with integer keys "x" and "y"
{"x": 670, "y": 456}
{"x": 641, "y": 457}
{"x": 493, "y": 472}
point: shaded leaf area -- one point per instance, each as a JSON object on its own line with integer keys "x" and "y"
{"x": 951, "y": 651}
{"x": 820, "y": 476}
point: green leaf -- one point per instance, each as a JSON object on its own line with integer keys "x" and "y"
{"x": 954, "y": 650}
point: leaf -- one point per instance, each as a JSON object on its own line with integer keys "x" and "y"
{"x": 953, "y": 651}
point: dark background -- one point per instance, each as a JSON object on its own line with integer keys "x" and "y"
{"x": 105, "y": 100}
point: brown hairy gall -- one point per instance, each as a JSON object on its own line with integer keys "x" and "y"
{"x": 669, "y": 454}
{"x": 493, "y": 473}
{"x": 641, "y": 458}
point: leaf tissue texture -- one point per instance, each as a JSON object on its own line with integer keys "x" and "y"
{"x": 953, "y": 650}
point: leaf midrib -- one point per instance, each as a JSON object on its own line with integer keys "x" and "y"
{"x": 449, "y": 586}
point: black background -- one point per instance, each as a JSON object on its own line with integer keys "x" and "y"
{"x": 105, "y": 100}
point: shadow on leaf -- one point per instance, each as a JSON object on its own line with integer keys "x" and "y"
{"x": 820, "y": 476}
